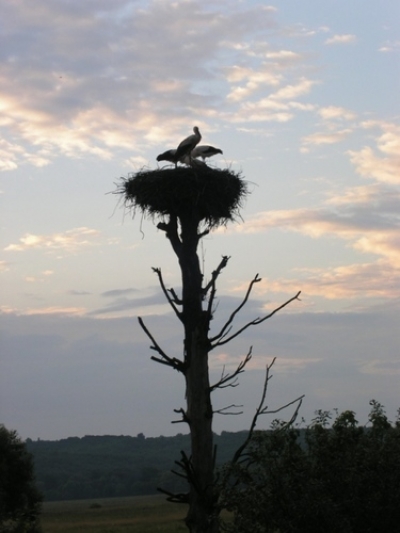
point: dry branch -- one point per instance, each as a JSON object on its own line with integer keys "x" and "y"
{"x": 226, "y": 326}
{"x": 170, "y": 300}
{"x": 255, "y": 322}
{"x": 262, "y": 410}
{"x": 230, "y": 380}
{"x": 175, "y": 363}
{"x": 224, "y": 410}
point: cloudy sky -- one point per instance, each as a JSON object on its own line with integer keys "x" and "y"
{"x": 302, "y": 97}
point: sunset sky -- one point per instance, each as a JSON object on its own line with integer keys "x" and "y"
{"x": 302, "y": 97}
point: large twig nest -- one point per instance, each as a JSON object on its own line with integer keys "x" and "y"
{"x": 209, "y": 194}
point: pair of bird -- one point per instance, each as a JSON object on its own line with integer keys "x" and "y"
{"x": 188, "y": 150}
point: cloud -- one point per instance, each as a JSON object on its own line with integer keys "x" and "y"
{"x": 39, "y": 278}
{"x": 383, "y": 368}
{"x": 382, "y": 164}
{"x": 366, "y": 218}
{"x": 336, "y": 358}
{"x": 355, "y": 281}
{"x": 371, "y": 228}
{"x": 254, "y": 81}
{"x": 123, "y": 306}
{"x": 107, "y": 80}
{"x": 4, "y": 266}
{"x": 341, "y": 39}
{"x": 334, "y": 112}
{"x": 390, "y": 46}
{"x": 326, "y": 137}
{"x": 115, "y": 293}
{"x": 9, "y": 154}
{"x": 287, "y": 55}
{"x": 275, "y": 107}
{"x": 73, "y": 292}
{"x": 55, "y": 310}
{"x": 69, "y": 241}
{"x": 302, "y": 87}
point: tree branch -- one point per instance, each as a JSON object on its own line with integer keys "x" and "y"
{"x": 165, "y": 359}
{"x": 262, "y": 410}
{"x": 215, "y": 274}
{"x": 224, "y": 410}
{"x": 256, "y": 279}
{"x": 230, "y": 380}
{"x": 252, "y": 323}
{"x": 175, "y": 298}
{"x": 167, "y": 296}
{"x": 184, "y": 417}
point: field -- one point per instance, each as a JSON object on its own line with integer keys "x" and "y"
{"x": 140, "y": 514}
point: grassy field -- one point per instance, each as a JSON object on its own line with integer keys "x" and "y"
{"x": 140, "y": 514}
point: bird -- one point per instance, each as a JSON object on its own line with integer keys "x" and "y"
{"x": 204, "y": 151}
{"x": 188, "y": 144}
{"x": 169, "y": 155}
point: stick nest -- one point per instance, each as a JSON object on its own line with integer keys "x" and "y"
{"x": 212, "y": 195}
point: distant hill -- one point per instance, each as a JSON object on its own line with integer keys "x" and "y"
{"x": 108, "y": 466}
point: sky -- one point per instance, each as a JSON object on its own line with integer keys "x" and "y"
{"x": 302, "y": 98}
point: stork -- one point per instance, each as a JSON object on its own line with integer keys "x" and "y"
{"x": 188, "y": 144}
{"x": 169, "y": 155}
{"x": 204, "y": 151}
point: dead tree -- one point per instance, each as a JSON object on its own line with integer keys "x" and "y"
{"x": 189, "y": 202}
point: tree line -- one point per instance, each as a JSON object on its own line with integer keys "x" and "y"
{"x": 110, "y": 466}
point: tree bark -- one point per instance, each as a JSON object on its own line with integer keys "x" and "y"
{"x": 202, "y": 516}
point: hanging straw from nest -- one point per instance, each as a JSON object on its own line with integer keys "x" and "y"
{"x": 213, "y": 196}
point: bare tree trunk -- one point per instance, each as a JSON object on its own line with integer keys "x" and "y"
{"x": 202, "y": 516}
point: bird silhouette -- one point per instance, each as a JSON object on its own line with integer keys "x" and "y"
{"x": 188, "y": 144}
{"x": 204, "y": 151}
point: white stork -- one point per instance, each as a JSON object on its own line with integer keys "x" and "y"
{"x": 204, "y": 151}
{"x": 187, "y": 145}
{"x": 169, "y": 155}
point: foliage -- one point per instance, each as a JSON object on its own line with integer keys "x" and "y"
{"x": 114, "y": 466}
{"x": 20, "y": 501}
{"x": 214, "y": 195}
{"x": 339, "y": 479}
